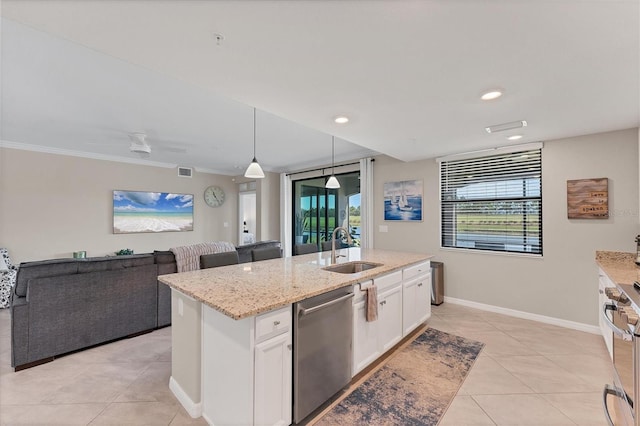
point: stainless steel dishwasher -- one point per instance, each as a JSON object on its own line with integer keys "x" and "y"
{"x": 322, "y": 333}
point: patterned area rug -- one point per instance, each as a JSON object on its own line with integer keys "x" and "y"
{"x": 414, "y": 387}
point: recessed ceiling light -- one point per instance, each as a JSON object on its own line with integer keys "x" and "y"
{"x": 341, "y": 119}
{"x": 493, "y": 94}
{"x": 506, "y": 126}
{"x": 514, "y": 137}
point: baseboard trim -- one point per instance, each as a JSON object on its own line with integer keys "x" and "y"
{"x": 194, "y": 409}
{"x": 525, "y": 315}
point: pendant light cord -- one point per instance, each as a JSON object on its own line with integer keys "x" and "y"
{"x": 333, "y": 157}
{"x": 254, "y": 134}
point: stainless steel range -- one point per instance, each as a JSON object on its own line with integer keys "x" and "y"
{"x": 621, "y": 398}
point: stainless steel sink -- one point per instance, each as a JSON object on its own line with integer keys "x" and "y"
{"x": 351, "y": 267}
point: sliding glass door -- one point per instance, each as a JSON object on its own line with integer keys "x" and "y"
{"x": 318, "y": 210}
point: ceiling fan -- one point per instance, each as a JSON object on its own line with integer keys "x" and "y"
{"x": 139, "y": 144}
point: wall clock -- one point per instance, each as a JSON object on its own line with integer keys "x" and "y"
{"x": 214, "y": 196}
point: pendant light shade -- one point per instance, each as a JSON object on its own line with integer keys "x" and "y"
{"x": 254, "y": 171}
{"x": 332, "y": 182}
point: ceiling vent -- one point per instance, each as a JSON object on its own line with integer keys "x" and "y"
{"x": 185, "y": 172}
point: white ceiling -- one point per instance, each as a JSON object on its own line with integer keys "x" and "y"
{"x": 79, "y": 75}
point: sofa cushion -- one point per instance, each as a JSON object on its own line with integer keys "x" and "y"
{"x": 244, "y": 251}
{"x": 214, "y": 260}
{"x": 44, "y": 268}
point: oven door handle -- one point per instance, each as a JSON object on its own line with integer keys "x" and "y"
{"x": 625, "y": 335}
{"x": 611, "y": 390}
{"x": 608, "y": 390}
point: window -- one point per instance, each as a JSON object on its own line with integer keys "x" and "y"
{"x": 493, "y": 203}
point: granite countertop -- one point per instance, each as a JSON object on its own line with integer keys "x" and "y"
{"x": 622, "y": 270}
{"x": 619, "y": 266}
{"x": 247, "y": 289}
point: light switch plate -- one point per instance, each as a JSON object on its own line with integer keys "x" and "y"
{"x": 383, "y": 228}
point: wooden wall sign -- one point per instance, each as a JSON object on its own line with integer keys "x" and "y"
{"x": 588, "y": 198}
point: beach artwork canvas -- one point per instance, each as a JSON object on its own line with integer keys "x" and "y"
{"x": 403, "y": 200}
{"x": 135, "y": 211}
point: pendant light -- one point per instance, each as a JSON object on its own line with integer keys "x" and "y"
{"x": 332, "y": 182}
{"x": 254, "y": 171}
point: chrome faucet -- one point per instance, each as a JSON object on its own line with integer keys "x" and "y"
{"x": 333, "y": 243}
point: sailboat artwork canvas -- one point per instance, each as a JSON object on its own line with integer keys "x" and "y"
{"x": 403, "y": 200}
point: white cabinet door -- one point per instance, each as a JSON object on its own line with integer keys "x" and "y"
{"x": 365, "y": 339}
{"x": 409, "y": 306}
{"x": 416, "y": 299}
{"x": 423, "y": 299}
{"x": 272, "y": 399}
{"x": 390, "y": 318}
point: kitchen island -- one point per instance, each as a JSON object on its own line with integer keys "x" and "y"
{"x": 227, "y": 321}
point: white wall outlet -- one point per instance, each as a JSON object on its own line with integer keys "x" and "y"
{"x": 383, "y": 228}
{"x": 225, "y": 224}
{"x": 180, "y": 307}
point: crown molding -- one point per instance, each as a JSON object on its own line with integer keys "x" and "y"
{"x": 82, "y": 154}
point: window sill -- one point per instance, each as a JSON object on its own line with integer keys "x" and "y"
{"x": 493, "y": 253}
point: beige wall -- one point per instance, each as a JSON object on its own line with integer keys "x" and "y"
{"x": 268, "y": 207}
{"x": 52, "y": 205}
{"x": 563, "y": 284}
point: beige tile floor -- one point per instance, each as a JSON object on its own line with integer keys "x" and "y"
{"x": 528, "y": 374}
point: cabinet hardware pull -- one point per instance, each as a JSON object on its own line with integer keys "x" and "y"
{"x": 289, "y": 347}
{"x": 276, "y": 323}
{"x": 420, "y": 285}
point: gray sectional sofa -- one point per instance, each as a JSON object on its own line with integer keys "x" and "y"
{"x": 64, "y": 305}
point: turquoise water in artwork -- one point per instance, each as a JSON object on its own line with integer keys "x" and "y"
{"x": 168, "y": 215}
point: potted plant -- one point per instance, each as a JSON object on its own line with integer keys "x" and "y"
{"x": 124, "y": 252}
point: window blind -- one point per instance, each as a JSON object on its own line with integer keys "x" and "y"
{"x": 493, "y": 203}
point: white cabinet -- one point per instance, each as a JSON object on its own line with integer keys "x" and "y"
{"x": 372, "y": 339}
{"x": 272, "y": 403}
{"x": 416, "y": 302}
{"x": 416, "y": 297}
{"x": 390, "y": 317}
{"x": 607, "y": 334}
{"x": 246, "y": 368}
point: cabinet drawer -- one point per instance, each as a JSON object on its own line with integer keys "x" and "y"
{"x": 273, "y": 323}
{"x": 415, "y": 270}
{"x": 386, "y": 281}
